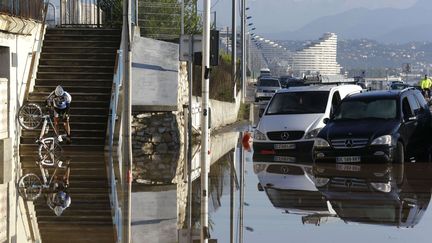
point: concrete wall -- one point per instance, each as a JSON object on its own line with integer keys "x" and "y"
{"x": 222, "y": 113}
{"x": 155, "y": 74}
{"x": 15, "y": 68}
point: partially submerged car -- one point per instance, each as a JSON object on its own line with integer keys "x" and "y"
{"x": 294, "y": 117}
{"x": 389, "y": 126}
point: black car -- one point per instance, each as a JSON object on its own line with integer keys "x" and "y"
{"x": 390, "y": 126}
{"x": 289, "y": 81}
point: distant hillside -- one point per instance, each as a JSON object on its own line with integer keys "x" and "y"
{"x": 385, "y": 25}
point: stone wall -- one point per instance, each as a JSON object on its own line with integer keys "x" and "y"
{"x": 156, "y": 144}
{"x": 158, "y": 139}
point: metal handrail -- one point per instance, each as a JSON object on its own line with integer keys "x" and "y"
{"x": 113, "y": 117}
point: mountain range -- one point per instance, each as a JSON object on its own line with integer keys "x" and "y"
{"x": 388, "y": 25}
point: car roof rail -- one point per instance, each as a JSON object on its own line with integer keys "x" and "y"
{"x": 408, "y": 88}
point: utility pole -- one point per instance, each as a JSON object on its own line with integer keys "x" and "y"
{"x": 127, "y": 139}
{"x": 243, "y": 44}
{"x": 182, "y": 17}
{"x": 205, "y": 121}
{"x": 234, "y": 44}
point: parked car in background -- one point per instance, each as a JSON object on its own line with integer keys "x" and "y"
{"x": 266, "y": 87}
{"x": 294, "y": 117}
{"x": 390, "y": 126}
{"x": 265, "y": 72}
{"x": 289, "y": 81}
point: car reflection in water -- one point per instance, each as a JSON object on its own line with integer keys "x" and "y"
{"x": 290, "y": 187}
{"x": 379, "y": 194}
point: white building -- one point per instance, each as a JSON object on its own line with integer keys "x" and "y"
{"x": 317, "y": 57}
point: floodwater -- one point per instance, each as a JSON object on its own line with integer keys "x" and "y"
{"x": 289, "y": 202}
{"x": 360, "y": 203}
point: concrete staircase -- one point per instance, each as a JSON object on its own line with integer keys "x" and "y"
{"x": 82, "y": 61}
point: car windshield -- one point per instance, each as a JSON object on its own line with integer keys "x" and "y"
{"x": 364, "y": 109}
{"x": 269, "y": 82}
{"x": 301, "y": 102}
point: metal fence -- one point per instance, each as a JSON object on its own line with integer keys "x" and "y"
{"x": 29, "y": 9}
{"x": 95, "y": 13}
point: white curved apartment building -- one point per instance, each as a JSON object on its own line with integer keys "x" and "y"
{"x": 316, "y": 57}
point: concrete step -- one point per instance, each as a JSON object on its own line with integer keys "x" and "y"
{"x": 60, "y": 61}
{"x": 83, "y": 31}
{"x": 80, "y": 95}
{"x": 84, "y": 82}
{"x": 73, "y": 88}
{"x": 76, "y": 50}
{"x": 82, "y": 56}
{"x": 74, "y": 132}
{"x": 77, "y": 171}
{"x": 58, "y": 75}
{"x": 82, "y": 43}
{"x": 75, "y": 140}
{"x": 76, "y": 103}
{"x": 74, "y": 69}
{"x": 31, "y": 148}
{"x": 78, "y": 37}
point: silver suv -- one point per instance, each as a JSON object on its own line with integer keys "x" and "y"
{"x": 266, "y": 87}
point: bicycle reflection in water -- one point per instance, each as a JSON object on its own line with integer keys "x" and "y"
{"x": 55, "y": 187}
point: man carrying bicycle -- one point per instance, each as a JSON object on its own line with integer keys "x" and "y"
{"x": 426, "y": 85}
{"x": 59, "y": 101}
{"x": 59, "y": 199}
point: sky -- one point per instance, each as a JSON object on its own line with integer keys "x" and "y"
{"x": 273, "y": 16}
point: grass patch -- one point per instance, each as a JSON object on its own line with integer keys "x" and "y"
{"x": 221, "y": 83}
{"x": 244, "y": 112}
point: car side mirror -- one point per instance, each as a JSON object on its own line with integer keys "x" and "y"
{"x": 260, "y": 113}
{"x": 326, "y": 120}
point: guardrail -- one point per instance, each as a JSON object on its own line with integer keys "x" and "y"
{"x": 111, "y": 132}
{"x": 30, "y": 9}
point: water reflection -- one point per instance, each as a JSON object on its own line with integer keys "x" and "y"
{"x": 376, "y": 194}
{"x": 290, "y": 187}
{"x": 379, "y": 194}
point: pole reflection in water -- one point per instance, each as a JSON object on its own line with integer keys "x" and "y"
{"x": 222, "y": 183}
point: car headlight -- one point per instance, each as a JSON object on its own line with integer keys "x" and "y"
{"x": 313, "y": 133}
{"x": 259, "y": 168}
{"x": 320, "y": 182}
{"x": 383, "y": 140}
{"x": 382, "y": 187}
{"x": 259, "y": 135}
{"x": 321, "y": 143}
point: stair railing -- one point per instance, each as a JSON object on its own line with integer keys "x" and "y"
{"x": 112, "y": 144}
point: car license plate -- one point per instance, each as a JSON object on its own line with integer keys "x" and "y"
{"x": 343, "y": 167}
{"x": 348, "y": 159}
{"x": 284, "y": 146}
{"x": 284, "y": 159}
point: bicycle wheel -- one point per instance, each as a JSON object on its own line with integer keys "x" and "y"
{"x": 30, "y": 116}
{"x": 49, "y": 150}
{"x": 30, "y": 187}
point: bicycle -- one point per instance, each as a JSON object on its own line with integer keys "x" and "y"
{"x": 30, "y": 117}
{"x": 30, "y": 185}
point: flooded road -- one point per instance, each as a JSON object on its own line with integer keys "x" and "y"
{"x": 289, "y": 200}
{"x": 368, "y": 203}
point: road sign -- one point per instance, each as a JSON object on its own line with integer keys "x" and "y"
{"x": 188, "y": 45}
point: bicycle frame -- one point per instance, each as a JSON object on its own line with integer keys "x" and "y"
{"x": 45, "y": 176}
{"x": 47, "y": 118}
